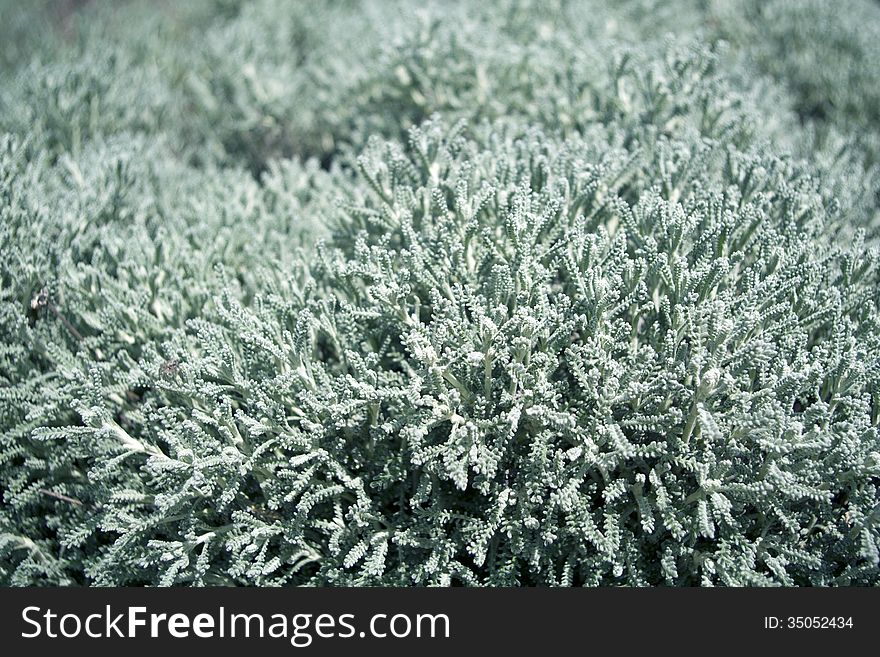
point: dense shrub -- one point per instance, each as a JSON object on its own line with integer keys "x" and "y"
{"x": 506, "y": 295}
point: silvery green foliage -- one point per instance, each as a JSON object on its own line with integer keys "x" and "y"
{"x": 593, "y": 323}
{"x": 827, "y": 46}
{"x": 821, "y": 54}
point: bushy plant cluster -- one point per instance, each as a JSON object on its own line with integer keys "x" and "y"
{"x": 384, "y": 294}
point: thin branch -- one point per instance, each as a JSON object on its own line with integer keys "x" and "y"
{"x": 59, "y": 496}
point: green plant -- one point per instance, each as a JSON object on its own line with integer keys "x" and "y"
{"x": 468, "y": 303}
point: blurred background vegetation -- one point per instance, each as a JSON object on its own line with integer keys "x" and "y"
{"x": 252, "y": 80}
